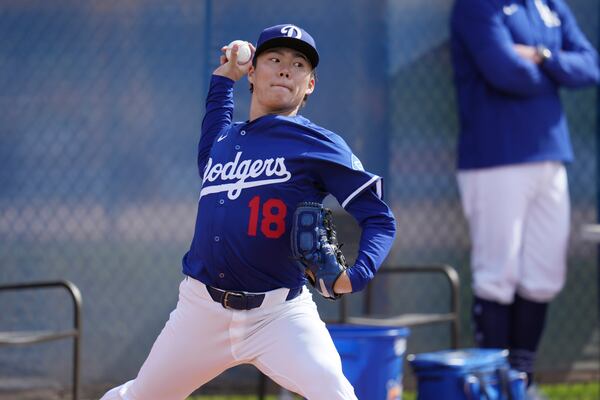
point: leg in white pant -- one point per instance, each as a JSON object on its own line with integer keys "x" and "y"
{"x": 302, "y": 356}
{"x": 519, "y": 221}
{"x": 546, "y": 238}
{"x": 192, "y": 349}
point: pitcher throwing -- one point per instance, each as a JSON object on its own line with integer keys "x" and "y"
{"x": 243, "y": 299}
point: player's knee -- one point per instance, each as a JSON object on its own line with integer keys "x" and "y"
{"x": 327, "y": 375}
{"x": 112, "y": 394}
{"x": 329, "y": 384}
{"x": 118, "y": 393}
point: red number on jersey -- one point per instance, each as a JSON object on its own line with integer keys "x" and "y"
{"x": 254, "y": 205}
{"x": 272, "y": 224}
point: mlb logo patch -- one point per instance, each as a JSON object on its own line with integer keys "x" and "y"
{"x": 356, "y": 164}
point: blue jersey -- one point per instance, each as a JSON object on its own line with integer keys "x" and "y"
{"x": 510, "y": 110}
{"x": 254, "y": 174}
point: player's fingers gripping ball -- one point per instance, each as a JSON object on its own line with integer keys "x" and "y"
{"x": 315, "y": 246}
{"x": 244, "y": 53}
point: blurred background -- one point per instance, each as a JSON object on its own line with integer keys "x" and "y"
{"x": 100, "y": 110}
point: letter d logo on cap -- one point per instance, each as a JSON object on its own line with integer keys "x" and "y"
{"x": 292, "y": 31}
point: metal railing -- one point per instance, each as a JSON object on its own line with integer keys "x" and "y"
{"x": 15, "y": 338}
{"x": 452, "y": 316}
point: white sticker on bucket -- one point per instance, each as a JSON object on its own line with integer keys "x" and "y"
{"x": 400, "y": 346}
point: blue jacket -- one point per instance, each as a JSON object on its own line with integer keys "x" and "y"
{"x": 509, "y": 108}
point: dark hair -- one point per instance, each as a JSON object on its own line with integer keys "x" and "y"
{"x": 313, "y": 75}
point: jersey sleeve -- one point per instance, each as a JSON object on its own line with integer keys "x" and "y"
{"x": 340, "y": 172}
{"x": 218, "y": 116}
{"x": 378, "y": 229}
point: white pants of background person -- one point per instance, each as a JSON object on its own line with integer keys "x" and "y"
{"x": 286, "y": 340}
{"x": 519, "y": 221}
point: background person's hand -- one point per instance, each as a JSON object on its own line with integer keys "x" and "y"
{"x": 529, "y": 53}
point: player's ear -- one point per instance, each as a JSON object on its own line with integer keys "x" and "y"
{"x": 251, "y": 74}
{"x": 311, "y": 85}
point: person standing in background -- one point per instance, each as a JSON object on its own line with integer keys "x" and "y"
{"x": 510, "y": 58}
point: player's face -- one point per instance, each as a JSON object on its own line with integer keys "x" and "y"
{"x": 281, "y": 79}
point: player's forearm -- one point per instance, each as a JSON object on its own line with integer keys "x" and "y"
{"x": 377, "y": 237}
{"x": 375, "y": 245}
{"x": 219, "y": 105}
{"x": 574, "y": 69}
{"x": 218, "y": 116}
{"x": 514, "y": 75}
{"x": 575, "y": 64}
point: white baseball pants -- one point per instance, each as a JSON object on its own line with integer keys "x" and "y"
{"x": 518, "y": 216}
{"x": 286, "y": 340}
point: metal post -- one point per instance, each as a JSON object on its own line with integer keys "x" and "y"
{"x": 207, "y": 43}
{"x": 598, "y": 177}
{"x": 77, "y": 303}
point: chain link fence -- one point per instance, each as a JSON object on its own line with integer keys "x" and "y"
{"x": 100, "y": 111}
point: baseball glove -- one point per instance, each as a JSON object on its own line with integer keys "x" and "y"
{"x": 315, "y": 246}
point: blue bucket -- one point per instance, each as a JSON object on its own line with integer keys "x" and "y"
{"x": 467, "y": 374}
{"x": 372, "y": 358}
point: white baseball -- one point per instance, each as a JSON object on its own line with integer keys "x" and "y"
{"x": 244, "y": 52}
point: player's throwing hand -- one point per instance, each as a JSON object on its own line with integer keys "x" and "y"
{"x": 230, "y": 68}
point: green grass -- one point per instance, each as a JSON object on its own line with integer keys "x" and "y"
{"x": 570, "y": 391}
{"x": 573, "y": 391}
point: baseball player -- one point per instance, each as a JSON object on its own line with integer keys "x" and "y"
{"x": 510, "y": 59}
{"x": 243, "y": 299}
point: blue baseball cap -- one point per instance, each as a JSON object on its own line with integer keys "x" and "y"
{"x": 291, "y": 36}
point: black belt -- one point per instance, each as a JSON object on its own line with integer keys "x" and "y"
{"x": 243, "y": 300}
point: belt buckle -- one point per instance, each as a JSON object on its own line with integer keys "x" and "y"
{"x": 226, "y": 298}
